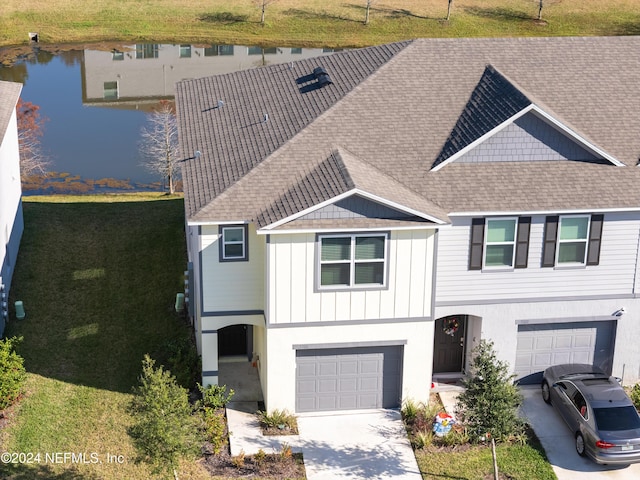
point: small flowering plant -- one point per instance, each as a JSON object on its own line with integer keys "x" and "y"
{"x": 451, "y": 326}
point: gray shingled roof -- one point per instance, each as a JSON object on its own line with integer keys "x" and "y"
{"x": 9, "y": 95}
{"x": 397, "y": 110}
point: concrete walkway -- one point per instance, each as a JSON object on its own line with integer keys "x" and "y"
{"x": 345, "y": 445}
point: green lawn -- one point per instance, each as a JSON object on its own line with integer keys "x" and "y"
{"x": 98, "y": 278}
{"x": 306, "y": 23}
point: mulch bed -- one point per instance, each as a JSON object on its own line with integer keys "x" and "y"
{"x": 276, "y": 466}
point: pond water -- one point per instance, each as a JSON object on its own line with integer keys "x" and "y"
{"x": 95, "y": 100}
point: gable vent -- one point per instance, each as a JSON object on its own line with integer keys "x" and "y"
{"x": 322, "y": 76}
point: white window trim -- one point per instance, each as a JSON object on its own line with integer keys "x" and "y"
{"x": 486, "y": 244}
{"x": 242, "y": 242}
{"x": 352, "y": 262}
{"x": 585, "y": 241}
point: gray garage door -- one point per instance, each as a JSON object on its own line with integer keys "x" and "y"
{"x": 540, "y": 346}
{"x": 348, "y": 378}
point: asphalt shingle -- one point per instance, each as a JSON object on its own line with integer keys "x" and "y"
{"x": 395, "y": 111}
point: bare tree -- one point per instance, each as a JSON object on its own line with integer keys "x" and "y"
{"x": 449, "y": 9}
{"x": 159, "y": 143}
{"x": 263, "y": 7}
{"x": 367, "y": 9}
{"x": 30, "y": 131}
{"x": 540, "y": 10}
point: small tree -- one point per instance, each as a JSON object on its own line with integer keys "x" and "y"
{"x": 159, "y": 143}
{"x": 367, "y": 10}
{"x": 449, "y": 5}
{"x": 263, "y": 8}
{"x": 164, "y": 428}
{"x": 30, "y": 131}
{"x": 12, "y": 372}
{"x": 540, "y": 4}
{"x": 490, "y": 400}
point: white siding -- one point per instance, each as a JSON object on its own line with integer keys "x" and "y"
{"x": 10, "y": 193}
{"x": 231, "y": 286}
{"x": 292, "y": 269}
{"x": 615, "y": 275}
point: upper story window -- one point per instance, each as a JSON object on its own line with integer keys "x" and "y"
{"x": 233, "y": 243}
{"x": 572, "y": 240}
{"x": 185, "y": 51}
{"x": 499, "y": 243}
{"x": 352, "y": 261}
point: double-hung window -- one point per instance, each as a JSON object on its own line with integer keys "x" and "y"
{"x": 572, "y": 240}
{"x": 352, "y": 261}
{"x": 498, "y": 243}
{"x": 233, "y": 243}
{"x": 500, "y": 248}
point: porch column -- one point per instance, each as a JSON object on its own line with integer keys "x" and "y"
{"x": 209, "y": 357}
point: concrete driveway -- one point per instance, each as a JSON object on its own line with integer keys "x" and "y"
{"x": 356, "y": 445}
{"x": 558, "y": 442}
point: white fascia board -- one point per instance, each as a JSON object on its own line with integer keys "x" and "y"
{"x": 348, "y": 230}
{"x": 545, "y": 116}
{"x": 353, "y": 191}
{"x": 506, "y": 213}
{"x": 221, "y": 222}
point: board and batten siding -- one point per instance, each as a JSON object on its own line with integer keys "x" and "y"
{"x": 231, "y": 286}
{"x": 292, "y": 271}
{"x": 615, "y": 275}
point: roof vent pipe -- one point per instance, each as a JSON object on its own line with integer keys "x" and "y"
{"x": 322, "y": 76}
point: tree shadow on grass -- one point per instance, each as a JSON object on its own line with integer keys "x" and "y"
{"x": 499, "y": 13}
{"x": 627, "y": 28}
{"x": 309, "y": 15}
{"x": 391, "y": 13}
{"x": 225, "y": 18}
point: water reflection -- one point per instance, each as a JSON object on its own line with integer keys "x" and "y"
{"x": 95, "y": 101}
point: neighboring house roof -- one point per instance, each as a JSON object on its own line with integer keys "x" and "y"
{"x": 420, "y": 124}
{"x": 9, "y": 95}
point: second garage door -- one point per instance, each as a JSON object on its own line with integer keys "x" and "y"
{"x": 348, "y": 378}
{"x": 543, "y": 345}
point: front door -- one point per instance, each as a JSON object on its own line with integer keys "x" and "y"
{"x": 448, "y": 348}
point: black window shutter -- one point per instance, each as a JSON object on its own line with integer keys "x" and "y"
{"x": 477, "y": 242}
{"x": 550, "y": 238}
{"x": 595, "y": 236}
{"x": 522, "y": 242}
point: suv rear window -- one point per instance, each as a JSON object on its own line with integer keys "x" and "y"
{"x": 616, "y": 418}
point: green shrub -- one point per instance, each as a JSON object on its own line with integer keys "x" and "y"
{"x": 490, "y": 400}
{"x": 12, "y": 372}
{"x": 164, "y": 427}
{"x": 215, "y": 396}
{"x": 410, "y": 410}
{"x": 634, "y": 394}
{"x": 215, "y": 428}
{"x": 181, "y": 359}
{"x": 278, "y": 420}
{"x": 422, "y": 439}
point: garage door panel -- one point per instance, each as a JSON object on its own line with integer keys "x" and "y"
{"x": 542, "y": 345}
{"x": 327, "y": 386}
{"x": 348, "y": 378}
